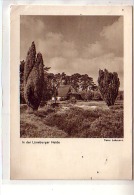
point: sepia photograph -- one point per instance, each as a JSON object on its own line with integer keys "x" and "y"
{"x": 71, "y": 76}
{"x": 71, "y": 92}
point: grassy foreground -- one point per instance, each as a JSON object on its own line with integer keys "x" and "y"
{"x": 84, "y": 119}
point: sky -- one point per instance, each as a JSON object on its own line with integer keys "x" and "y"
{"x": 75, "y": 44}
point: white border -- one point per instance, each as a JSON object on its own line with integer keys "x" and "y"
{"x": 58, "y": 187}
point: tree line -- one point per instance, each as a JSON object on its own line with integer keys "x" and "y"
{"x": 36, "y": 83}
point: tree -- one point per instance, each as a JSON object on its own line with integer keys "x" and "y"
{"x": 68, "y": 80}
{"x": 86, "y": 82}
{"x": 75, "y": 81}
{"x": 94, "y": 87}
{"x": 33, "y": 78}
{"x": 22, "y": 64}
{"x": 56, "y": 81}
{"x": 47, "y": 90}
{"x": 30, "y": 62}
{"x": 108, "y": 85}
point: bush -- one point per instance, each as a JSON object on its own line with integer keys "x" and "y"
{"x": 86, "y": 95}
{"x": 74, "y": 121}
{"x": 25, "y": 128}
{"x": 72, "y": 100}
{"x": 108, "y": 126}
{"x": 77, "y": 122}
{"x": 96, "y": 96}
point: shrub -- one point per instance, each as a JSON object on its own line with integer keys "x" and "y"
{"x": 108, "y": 85}
{"x": 73, "y": 121}
{"x": 108, "y": 126}
{"x": 26, "y": 128}
{"x": 77, "y": 122}
{"x": 96, "y": 96}
{"x": 86, "y": 95}
{"x": 72, "y": 100}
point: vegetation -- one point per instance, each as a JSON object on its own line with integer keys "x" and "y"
{"x": 90, "y": 117}
{"x": 108, "y": 85}
{"x": 87, "y": 95}
{"x": 79, "y": 82}
{"x": 33, "y": 78}
{"x": 75, "y": 121}
{"x": 22, "y": 99}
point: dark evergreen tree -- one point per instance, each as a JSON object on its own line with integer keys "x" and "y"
{"x": 109, "y": 86}
{"x": 33, "y": 78}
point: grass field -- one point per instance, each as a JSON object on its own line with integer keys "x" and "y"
{"x": 84, "y": 119}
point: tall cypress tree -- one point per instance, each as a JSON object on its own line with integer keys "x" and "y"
{"x": 33, "y": 78}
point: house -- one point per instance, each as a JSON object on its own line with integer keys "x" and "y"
{"x": 73, "y": 94}
{"x": 66, "y": 92}
{"x": 63, "y": 92}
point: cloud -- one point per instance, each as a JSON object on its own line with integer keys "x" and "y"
{"x": 65, "y": 55}
{"x": 31, "y": 29}
{"x": 111, "y": 41}
{"x": 93, "y": 50}
{"x": 58, "y": 64}
{"x": 88, "y": 66}
{"x": 54, "y": 45}
{"x": 113, "y": 37}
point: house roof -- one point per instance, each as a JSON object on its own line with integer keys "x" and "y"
{"x": 64, "y": 90}
{"x": 73, "y": 91}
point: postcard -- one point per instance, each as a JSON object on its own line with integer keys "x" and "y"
{"x": 71, "y": 92}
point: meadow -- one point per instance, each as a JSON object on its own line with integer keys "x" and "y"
{"x": 89, "y": 119}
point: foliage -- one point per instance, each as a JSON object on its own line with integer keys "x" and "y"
{"x": 120, "y": 95}
{"x": 74, "y": 121}
{"x": 108, "y": 85}
{"x": 32, "y": 126}
{"x": 47, "y": 90}
{"x": 30, "y": 62}
{"x": 77, "y": 81}
{"x": 72, "y": 100}
{"x": 22, "y": 99}
{"x": 33, "y": 78}
{"x": 96, "y": 96}
{"x": 91, "y": 95}
{"x": 86, "y": 95}
{"x": 107, "y": 126}
{"x": 22, "y": 65}
{"x": 77, "y": 122}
